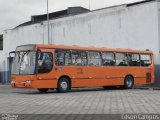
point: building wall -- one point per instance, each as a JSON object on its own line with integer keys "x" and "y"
{"x": 118, "y": 27}
{"x": 135, "y": 27}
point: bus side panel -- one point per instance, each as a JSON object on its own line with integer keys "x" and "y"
{"x": 120, "y": 73}
{"x": 89, "y": 83}
{"x": 138, "y": 73}
{"x": 145, "y": 76}
{"x": 100, "y": 75}
{"x": 44, "y": 84}
{"x": 77, "y": 74}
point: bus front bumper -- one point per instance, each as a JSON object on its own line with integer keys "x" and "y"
{"x": 26, "y": 84}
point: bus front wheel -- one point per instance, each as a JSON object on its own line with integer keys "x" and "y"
{"x": 43, "y": 90}
{"x": 63, "y": 85}
{"x": 128, "y": 82}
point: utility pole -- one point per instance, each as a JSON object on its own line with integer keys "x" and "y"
{"x": 89, "y": 5}
{"x": 48, "y": 23}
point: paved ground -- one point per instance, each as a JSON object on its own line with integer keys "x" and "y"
{"x": 79, "y": 101}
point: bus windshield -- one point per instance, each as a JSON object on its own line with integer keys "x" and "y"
{"x": 24, "y": 63}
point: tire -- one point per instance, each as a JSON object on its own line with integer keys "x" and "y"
{"x": 43, "y": 90}
{"x": 128, "y": 82}
{"x": 63, "y": 85}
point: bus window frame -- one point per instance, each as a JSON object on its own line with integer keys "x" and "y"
{"x": 100, "y": 53}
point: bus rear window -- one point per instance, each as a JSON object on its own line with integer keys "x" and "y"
{"x": 146, "y": 60}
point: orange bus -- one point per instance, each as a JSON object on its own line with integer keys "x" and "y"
{"x": 63, "y": 67}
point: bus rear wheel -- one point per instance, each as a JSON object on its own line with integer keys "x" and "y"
{"x": 128, "y": 82}
{"x": 43, "y": 90}
{"x": 63, "y": 85}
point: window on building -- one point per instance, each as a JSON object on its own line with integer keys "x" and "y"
{"x": 146, "y": 60}
{"x": 121, "y": 59}
{"x": 108, "y": 59}
{"x": 133, "y": 59}
{"x": 45, "y": 62}
{"x": 63, "y": 57}
{"x": 94, "y": 59}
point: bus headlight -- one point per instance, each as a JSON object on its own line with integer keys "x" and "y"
{"x": 28, "y": 81}
{"x": 12, "y": 82}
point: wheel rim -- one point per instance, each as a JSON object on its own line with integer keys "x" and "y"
{"x": 129, "y": 82}
{"x": 64, "y": 85}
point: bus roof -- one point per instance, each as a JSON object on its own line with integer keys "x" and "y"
{"x": 90, "y": 48}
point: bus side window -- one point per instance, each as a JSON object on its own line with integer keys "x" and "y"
{"x": 59, "y": 59}
{"x": 76, "y": 58}
{"x": 63, "y": 57}
{"x": 68, "y": 58}
{"x": 79, "y": 58}
{"x": 133, "y": 59}
{"x": 146, "y": 60}
{"x": 108, "y": 59}
{"x": 94, "y": 59}
{"x": 84, "y": 58}
{"x": 121, "y": 59}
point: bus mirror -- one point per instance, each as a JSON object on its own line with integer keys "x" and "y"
{"x": 38, "y": 50}
{"x": 39, "y": 53}
{"x": 12, "y": 54}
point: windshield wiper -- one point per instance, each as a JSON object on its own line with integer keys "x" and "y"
{"x": 21, "y": 59}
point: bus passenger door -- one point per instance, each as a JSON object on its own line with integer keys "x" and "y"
{"x": 45, "y": 71}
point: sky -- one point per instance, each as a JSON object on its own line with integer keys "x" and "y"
{"x": 15, "y": 12}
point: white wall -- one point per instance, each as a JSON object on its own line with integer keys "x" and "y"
{"x": 121, "y": 27}
{"x": 118, "y": 27}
